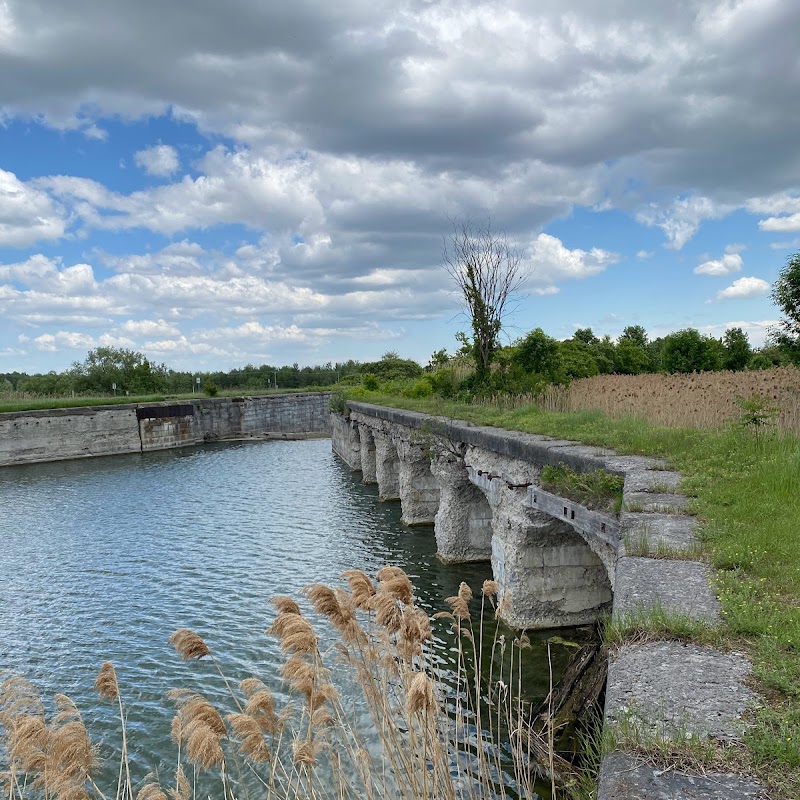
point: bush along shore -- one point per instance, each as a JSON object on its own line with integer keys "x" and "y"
{"x": 743, "y": 481}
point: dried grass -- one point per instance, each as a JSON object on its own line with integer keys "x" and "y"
{"x": 433, "y": 743}
{"x": 698, "y": 400}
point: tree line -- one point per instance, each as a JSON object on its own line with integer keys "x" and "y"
{"x": 109, "y": 370}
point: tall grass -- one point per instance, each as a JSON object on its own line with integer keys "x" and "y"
{"x": 701, "y": 400}
{"x": 422, "y": 739}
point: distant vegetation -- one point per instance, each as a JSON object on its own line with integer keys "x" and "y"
{"x": 529, "y": 368}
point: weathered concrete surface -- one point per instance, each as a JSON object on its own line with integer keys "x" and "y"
{"x": 303, "y": 412}
{"x": 548, "y": 577}
{"x": 678, "y": 688}
{"x": 346, "y": 441}
{"x": 53, "y": 435}
{"x": 672, "y": 687}
{"x": 367, "y": 447}
{"x": 56, "y": 434}
{"x": 463, "y": 522}
{"x": 676, "y": 587}
{"x": 651, "y": 480}
{"x": 625, "y": 777}
{"x": 654, "y": 533}
{"x": 387, "y": 466}
{"x": 419, "y": 489}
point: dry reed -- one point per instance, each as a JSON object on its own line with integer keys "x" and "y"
{"x": 433, "y": 742}
{"x": 697, "y": 400}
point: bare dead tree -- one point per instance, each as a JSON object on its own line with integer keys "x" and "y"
{"x": 488, "y": 273}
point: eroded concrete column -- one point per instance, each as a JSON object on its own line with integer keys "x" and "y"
{"x": 345, "y": 441}
{"x": 548, "y": 576}
{"x": 387, "y": 467}
{"x": 367, "y": 440}
{"x": 464, "y": 520}
{"x": 419, "y": 489}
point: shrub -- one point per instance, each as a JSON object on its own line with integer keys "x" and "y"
{"x": 338, "y": 402}
{"x": 420, "y": 388}
{"x": 211, "y": 388}
{"x": 370, "y": 382}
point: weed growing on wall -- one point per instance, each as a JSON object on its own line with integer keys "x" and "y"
{"x": 597, "y": 489}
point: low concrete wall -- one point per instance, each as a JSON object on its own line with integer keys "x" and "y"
{"x": 57, "y": 434}
{"x": 53, "y": 435}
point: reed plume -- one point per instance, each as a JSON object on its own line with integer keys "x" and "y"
{"x": 106, "y": 684}
{"x": 361, "y": 588}
{"x": 188, "y": 644}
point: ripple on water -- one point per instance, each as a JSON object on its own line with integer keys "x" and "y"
{"x": 103, "y": 558}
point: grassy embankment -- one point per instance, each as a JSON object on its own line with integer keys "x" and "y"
{"x": 16, "y": 402}
{"x": 746, "y": 494}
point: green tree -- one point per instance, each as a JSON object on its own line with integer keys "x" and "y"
{"x": 635, "y": 334}
{"x": 605, "y": 354}
{"x": 129, "y": 370}
{"x": 737, "y": 349}
{"x": 786, "y": 295}
{"x": 585, "y": 335}
{"x": 630, "y": 358}
{"x": 688, "y": 351}
{"x": 577, "y": 359}
{"x": 540, "y": 354}
{"x": 488, "y": 274}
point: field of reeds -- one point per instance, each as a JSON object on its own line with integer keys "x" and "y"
{"x": 406, "y": 734}
{"x": 698, "y": 400}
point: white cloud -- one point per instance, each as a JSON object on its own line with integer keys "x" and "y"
{"x": 781, "y": 224}
{"x": 71, "y": 340}
{"x": 644, "y": 254}
{"x": 149, "y": 327}
{"x": 730, "y": 263}
{"x": 551, "y": 261}
{"x": 681, "y": 219}
{"x": 744, "y": 287}
{"x": 161, "y": 160}
{"x": 27, "y": 214}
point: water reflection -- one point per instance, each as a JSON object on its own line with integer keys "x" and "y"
{"x": 103, "y": 558}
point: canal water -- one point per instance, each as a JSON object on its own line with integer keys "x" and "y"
{"x": 102, "y": 559}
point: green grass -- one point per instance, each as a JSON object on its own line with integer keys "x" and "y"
{"x": 43, "y": 403}
{"x": 747, "y": 498}
{"x": 597, "y": 489}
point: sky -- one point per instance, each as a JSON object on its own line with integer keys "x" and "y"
{"x": 216, "y": 184}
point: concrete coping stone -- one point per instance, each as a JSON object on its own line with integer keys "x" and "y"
{"x": 650, "y": 480}
{"x": 677, "y": 689}
{"x": 681, "y": 587}
{"x": 625, "y": 777}
{"x": 530, "y": 447}
{"x": 658, "y": 502}
{"x": 657, "y": 531}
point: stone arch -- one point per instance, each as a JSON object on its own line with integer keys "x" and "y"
{"x": 387, "y": 466}
{"x": 547, "y": 572}
{"x": 368, "y": 464}
{"x": 463, "y": 524}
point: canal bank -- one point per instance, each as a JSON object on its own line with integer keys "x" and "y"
{"x": 57, "y": 434}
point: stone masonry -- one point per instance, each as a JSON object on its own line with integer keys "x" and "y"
{"x": 558, "y": 564}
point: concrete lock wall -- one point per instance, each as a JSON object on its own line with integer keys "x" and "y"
{"x": 559, "y": 563}
{"x": 57, "y": 434}
{"x": 474, "y": 492}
